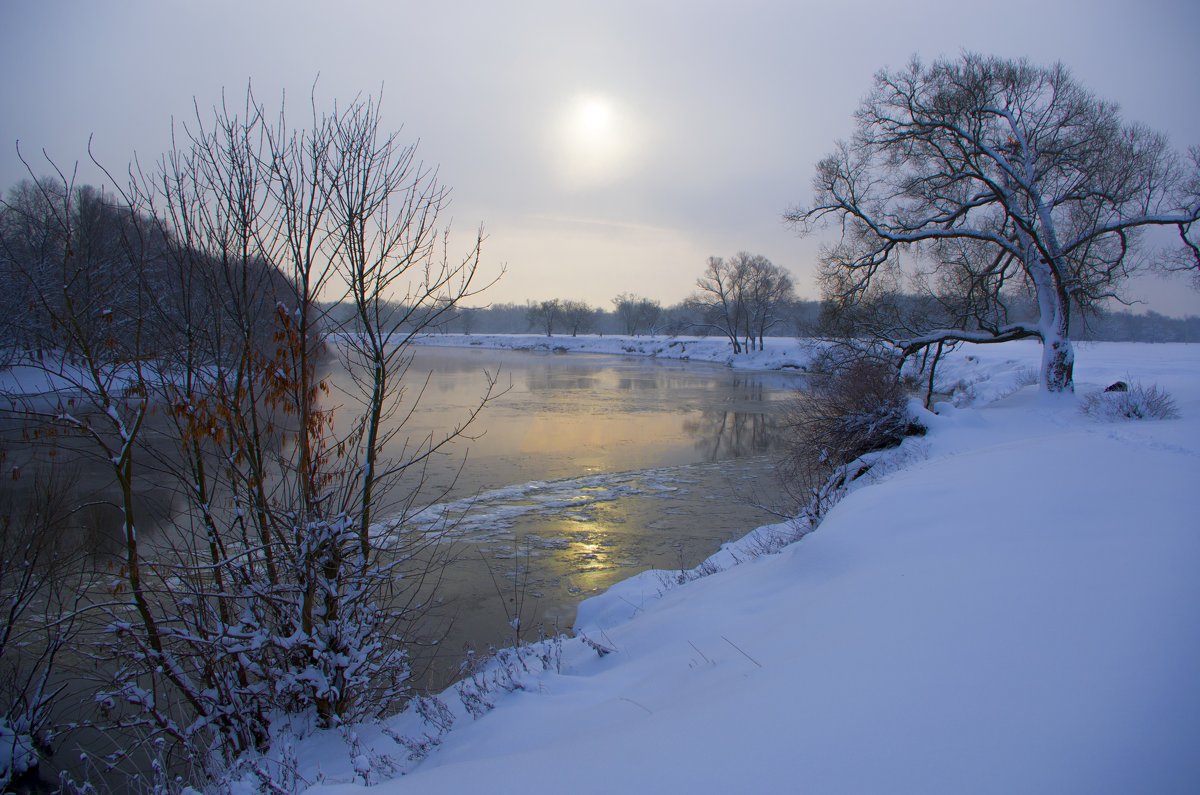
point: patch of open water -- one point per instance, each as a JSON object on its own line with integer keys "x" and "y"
{"x": 589, "y": 469}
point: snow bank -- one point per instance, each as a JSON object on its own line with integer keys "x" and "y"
{"x": 1015, "y": 610}
{"x": 782, "y": 353}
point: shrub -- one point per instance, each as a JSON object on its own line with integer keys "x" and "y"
{"x": 1130, "y": 402}
{"x": 857, "y": 409}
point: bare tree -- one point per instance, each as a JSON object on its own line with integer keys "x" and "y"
{"x": 743, "y": 298}
{"x": 1013, "y": 174}
{"x": 1187, "y": 257}
{"x": 279, "y": 591}
{"x": 767, "y": 290}
{"x": 578, "y": 316}
{"x": 544, "y": 315}
{"x": 719, "y": 302}
{"x": 637, "y": 313}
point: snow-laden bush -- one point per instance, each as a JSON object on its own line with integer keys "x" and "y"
{"x": 1123, "y": 401}
{"x": 18, "y": 754}
{"x": 859, "y": 408}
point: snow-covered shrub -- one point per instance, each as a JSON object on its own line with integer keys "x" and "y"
{"x": 475, "y": 686}
{"x": 704, "y": 569}
{"x": 859, "y": 408}
{"x": 1026, "y": 376}
{"x": 369, "y": 764}
{"x": 771, "y": 539}
{"x": 685, "y": 574}
{"x": 436, "y": 720}
{"x": 1130, "y": 402}
{"x": 273, "y": 591}
{"x": 18, "y": 754}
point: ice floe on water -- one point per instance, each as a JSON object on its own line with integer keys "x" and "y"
{"x": 493, "y": 514}
{"x": 532, "y": 550}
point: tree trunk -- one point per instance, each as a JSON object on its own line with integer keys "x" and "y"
{"x": 1058, "y": 365}
{"x": 1054, "y": 319}
{"x": 1058, "y": 356}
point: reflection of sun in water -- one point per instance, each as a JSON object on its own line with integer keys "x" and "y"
{"x": 588, "y": 558}
{"x": 585, "y": 549}
{"x": 595, "y": 139}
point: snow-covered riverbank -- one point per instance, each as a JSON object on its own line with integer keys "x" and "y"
{"x": 781, "y": 353}
{"x": 1011, "y": 607}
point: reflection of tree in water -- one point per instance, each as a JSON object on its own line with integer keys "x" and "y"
{"x": 732, "y": 433}
{"x": 638, "y": 383}
{"x": 548, "y": 379}
{"x": 33, "y": 457}
{"x": 723, "y": 434}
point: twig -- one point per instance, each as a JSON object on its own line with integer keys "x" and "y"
{"x": 631, "y": 701}
{"x": 743, "y": 651}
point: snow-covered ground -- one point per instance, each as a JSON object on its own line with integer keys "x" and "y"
{"x": 1012, "y": 605}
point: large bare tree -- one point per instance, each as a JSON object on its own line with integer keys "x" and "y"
{"x": 1008, "y": 175}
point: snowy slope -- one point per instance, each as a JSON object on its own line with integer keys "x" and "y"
{"x": 1016, "y": 609}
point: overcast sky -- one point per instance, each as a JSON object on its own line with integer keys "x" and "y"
{"x": 606, "y": 146}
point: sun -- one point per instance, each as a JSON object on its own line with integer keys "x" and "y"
{"x": 593, "y": 118}
{"x": 594, "y": 141}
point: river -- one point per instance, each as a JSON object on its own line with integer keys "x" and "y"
{"x": 582, "y": 471}
{"x": 585, "y": 471}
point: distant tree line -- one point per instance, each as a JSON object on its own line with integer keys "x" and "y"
{"x": 744, "y": 298}
{"x": 796, "y": 318}
{"x": 1126, "y": 326}
{"x": 562, "y": 317}
{"x": 127, "y": 283}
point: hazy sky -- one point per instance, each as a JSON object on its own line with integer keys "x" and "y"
{"x": 607, "y": 146}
